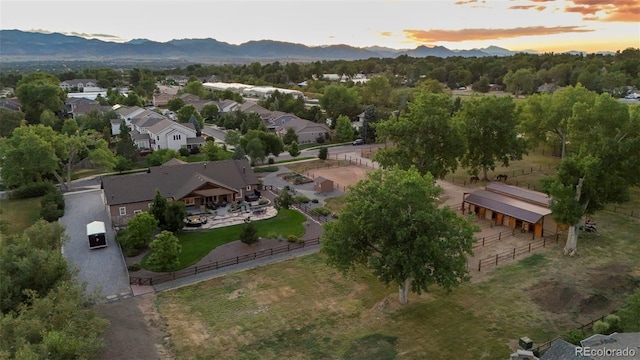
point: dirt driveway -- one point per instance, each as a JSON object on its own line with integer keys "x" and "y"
{"x": 135, "y": 331}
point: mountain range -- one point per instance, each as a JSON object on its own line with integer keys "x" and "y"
{"x": 19, "y": 45}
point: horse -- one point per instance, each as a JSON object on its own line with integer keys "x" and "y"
{"x": 474, "y": 179}
{"x": 501, "y": 177}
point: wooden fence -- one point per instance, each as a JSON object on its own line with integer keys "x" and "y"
{"x": 160, "y": 278}
{"x": 510, "y": 255}
{"x": 544, "y": 346}
{"x": 511, "y": 174}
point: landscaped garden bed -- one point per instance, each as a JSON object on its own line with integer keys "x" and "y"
{"x": 295, "y": 178}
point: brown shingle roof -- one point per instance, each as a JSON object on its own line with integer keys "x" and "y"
{"x": 177, "y": 181}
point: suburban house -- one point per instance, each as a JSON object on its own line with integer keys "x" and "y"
{"x": 196, "y": 184}
{"x": 227, "y": 106}
{"x": 6, "y": 92}
{"x": 75, "y": 107}
{"x": 152, "y": 131}
{"x": 512, "y": 206}
{"x": 12, "y": 104}
{"x": 614, "y": 343}
{"x": 253, "y": 107}
{"x": 307, "y": 131}
{"x": 162, "y": 99}
{"x": 156, "y": 133}
{"x": 78, "y": 84}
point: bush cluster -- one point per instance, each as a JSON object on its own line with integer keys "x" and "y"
{"x": 52, "y": 205}
{"x": 301, "y": 199}
{"x": 322, "y": 211}
{"x": 32, "y": 190}
{"x": 266, "y": 169}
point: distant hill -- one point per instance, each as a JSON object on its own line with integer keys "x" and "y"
{"x": 19, "y": 45}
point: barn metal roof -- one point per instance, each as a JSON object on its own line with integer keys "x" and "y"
{"x": 509, "y": 206}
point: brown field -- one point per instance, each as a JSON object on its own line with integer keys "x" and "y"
{"x": 343, "y": 176}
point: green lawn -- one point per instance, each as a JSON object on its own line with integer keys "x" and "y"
{"x": 197, "y": 244}
{"x": 20, "y": 213}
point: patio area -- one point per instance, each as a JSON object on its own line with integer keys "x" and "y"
{"x": 224, "y": 216}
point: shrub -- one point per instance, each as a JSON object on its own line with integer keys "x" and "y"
{"x": 315, "y": 201}
{"x": 52, "y": 205}
{"x": 50, "y": 212}
{"x": 575, "y": 336}
{"x": 294, "y": 239}
{"x": 271, "y": 160}
{"x": 134, "y": 267}
{"x": 322, "y": 211}
{"x": 195, "y": 150}
{"x": 320, "y": 139}
{"x": 301, "y": 199}
{"x": 266, "y": 169}
{"x": 263, "y": 202}
{"x": 323, "y": 153}
{"x": 601, "y": 327}
{"x": 184, "y": 152}
{"x": 249, "y": 234}
{"x": 32, "y": 190}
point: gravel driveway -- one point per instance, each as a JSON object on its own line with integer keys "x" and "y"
{"x": 102, "y": 269}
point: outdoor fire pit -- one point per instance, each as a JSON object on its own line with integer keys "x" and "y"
{"x": 195, "y": 221}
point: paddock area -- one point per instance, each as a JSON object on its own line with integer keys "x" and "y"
{"x": 342, "y": 176}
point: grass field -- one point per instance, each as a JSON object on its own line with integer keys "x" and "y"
{"x": 197, "y": 244}
{"x": 20, "y": 214}
{"x": 303, "y": 309}
{"x": 316, "y": 164}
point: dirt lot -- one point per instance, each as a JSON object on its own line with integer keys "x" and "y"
{"x": 342, "y": 176}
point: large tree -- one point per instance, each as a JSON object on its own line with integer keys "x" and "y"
{"x": 344, "y": 130}
{"x": 391, "y": 224}
{"x": 18, "y": 155}
{"x": 9, "y": 120}
{"x": 340, "y": 100}
{"x": 489, "y": 126}
{"x": 165, "y": 252}
{"x": 603, "y": 163}
{"x": 545, "y": 115}
{"x": 425, "y": 137}
{"x": 38, "y": 92}
{"x": 520, "y": 82}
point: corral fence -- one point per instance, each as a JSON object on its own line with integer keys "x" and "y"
{"x": 588, "y": 328}
{"x": 190, "y": 271}
{"x": 634, "y": 213}
{"x": 510, "y": 255}
{"x": 514, "y": 173}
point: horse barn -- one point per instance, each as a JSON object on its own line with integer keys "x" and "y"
{"x": 512, "y": 206}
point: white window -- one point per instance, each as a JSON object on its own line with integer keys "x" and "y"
{"x": 158, "y": 137}
{"x": 123, "y": 211}
{"x": 249, "y": 188}
{"x": 176, "y": 137}
{"x": 137, "y": 211}
{"x": 189, "y": 201}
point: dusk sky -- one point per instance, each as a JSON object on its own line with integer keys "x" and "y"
{"x": 542, "y": 25}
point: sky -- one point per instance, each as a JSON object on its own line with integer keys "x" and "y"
{"x": 541, "y": 25}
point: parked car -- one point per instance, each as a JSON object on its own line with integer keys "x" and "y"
{"x": 358, "y": 142}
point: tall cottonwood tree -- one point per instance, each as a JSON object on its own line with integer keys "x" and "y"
{"x": 425, "y": 137}
{"x": 489, "y": 125}
{"x": 603, "y": 164}
{"x": 391, "y": 224}
{"x": 551, "y": 115}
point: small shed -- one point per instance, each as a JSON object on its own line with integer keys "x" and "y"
{"x": 322, "y": 185}
{"x": 96, "y": 234}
